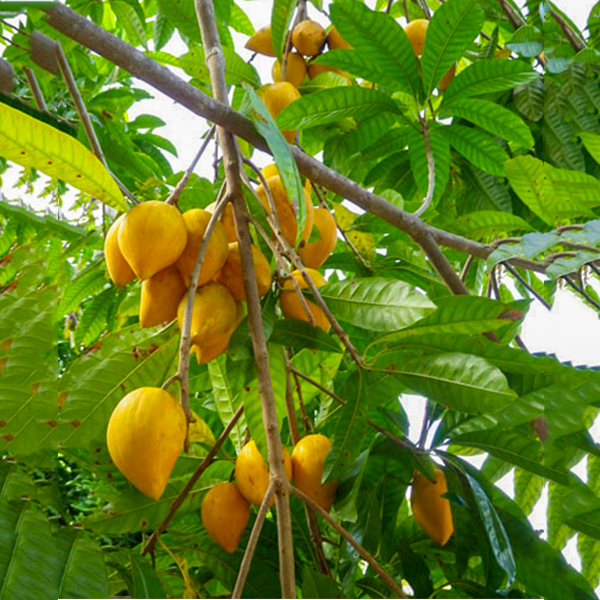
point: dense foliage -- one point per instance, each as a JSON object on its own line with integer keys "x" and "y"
{"x": 513, "y": 144}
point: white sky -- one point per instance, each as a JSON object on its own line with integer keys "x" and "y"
{"x": 571, "y": 330}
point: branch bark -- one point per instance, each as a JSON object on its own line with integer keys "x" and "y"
{"x": 231, "y": 161}
{"x": 70, "y": 23}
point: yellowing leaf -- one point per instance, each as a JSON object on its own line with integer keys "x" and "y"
{"x": 361, "y": 240}
{"x": 32, "y": 143}
{"x": 200, "y": 432}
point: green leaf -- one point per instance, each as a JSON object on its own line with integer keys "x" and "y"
{"x": 94, "y": 317}
{"x": 488, "y": 223}
{"x": 582, "y": 511}
{"x": 32, "y": 143}
{"x": 591, "y": 141}
{"x": 527, "y": 41}
{"x": 227, "y": 397}
{"x": 281, "y": 17}
{"x": 349, "y": 429}
{"x": 299, "y": 335}
{"x": 492, "y": 117}
{"x": 182, "y": 14}
{"x": 329, "y": 106}
{"x": 529, "y": 99}
{"x": 478, "y": 147}
{"x": 488, "y": 76}
{"x": 376, "y": 303}
{"x": 495, "y": 531}
{"x": 317, "y": 585}
{"x": 282, "y": 154}
{"x": 514, "y": 448}
{"x": 146, "y": 583}
{"x": 451, "y": 31}
{"x": 162, "y": 33}
{"x": 380, "y": 42}
{"x": 131, "y": 22}
{"x": 465, "y": 315}
{"x": 460, "y": 381}
{"x": 528, "y": 489}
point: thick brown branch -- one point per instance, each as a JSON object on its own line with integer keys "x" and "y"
{"x": 576, "y": 42}
{"x": 149, "y": 547}
{"x": 90, "y": 35}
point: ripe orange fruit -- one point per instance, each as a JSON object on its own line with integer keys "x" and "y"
{"x": 152, "y": 236}
{"x": 231, "y": 273}
{"x": 308, "y": 37}
{"x": 225, "y": 514}
{"x": 308, "y": 459}
{"x": 196, "y": 222}
{"x": 284, "y": 209}
{"x": 227, "y": 220}
{"x": 291, "y": 305}
{"x": 161, "y": 295}
{"x": 446, "y": 80}
{"x": 276, "y": 97}
{"x": 118, "y": 268}
{"x": 416, "y": 31}
{"x": 295, "y": 70}
{"x": 335, "y": 41}
{"x": 261, "y": 42}
{"x": 252, "y": 475}
{"x": 431, "y": 511}
{"x": 314, "y": 254}
{"x": 145, "y": 437}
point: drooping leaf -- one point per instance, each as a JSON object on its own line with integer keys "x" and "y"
{"x": 32, "y": 143}
{"x": 281, "y": 17}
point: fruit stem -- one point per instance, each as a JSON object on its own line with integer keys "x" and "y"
{"x": 183, "y": 494}
{"x": 176, "y": 193}
{"x": 363, "y": 553}
{"x": 232, "y": 164}
{"x": 252, "y": 541}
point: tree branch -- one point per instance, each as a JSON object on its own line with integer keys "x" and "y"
{"x": 363, "y": 553}
{"x": 576, "y": 42}
{"x": 231, "y": 161}
{"x": 151, "y": 543}
{"x": 34, "y": 86}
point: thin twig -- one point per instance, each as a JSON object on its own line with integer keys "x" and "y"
{"x": 389, "y": 6}
{"x": 149, "y": 547}
{"x": 252, "y": 541}
{"x": 344, "y": 235}
{"x": 34, "y": 86}
{"x": 215, "y": 62}
{"x": 176, "y": 193}
{"x": 424, "y": 427}
{"x": 517, "y": 276}
{"x": 466, "y": 267}
{"x": 289, "y": 402}
{"x": 361, "y": 551}
{"x": 430, "y": 170}
{"x": 581, "y": 291}
{"x": 84, "y": 117}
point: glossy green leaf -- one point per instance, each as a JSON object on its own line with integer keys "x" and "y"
{"x": 376, "y": 303}
{"x": 378, "y": 41}
{"x": 494, "y": 118}
{"x": 299, "y": 335}
{"x": 32, "y": 143}
{"x": 488, "y": 223}
{"x": 281, "y": 18}
{"x": 452, "y": 29}
{"x": 329, "y": 106}
{"x": 146, "y": 583}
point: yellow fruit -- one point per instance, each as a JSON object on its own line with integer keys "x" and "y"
{"x": 214, "y": 314}
{"x": 314, "y": 254}
{"x": 416, "y": 31}
{"x": 336, "y": 42}
{"x": 308, "y": 37}
{"x": 161, "y": 295}
{"x": 291, "y": 305}
{"x": 276, "y": 97}
{"x": 151, "y": 237}
{"x": 118, "y": 268}
{"x": 447, "y": 78}
{"x": 210, "y": 350}
{"x": 315, "y": 69}
{"x": 225, "y": 514}
{"x": 308, "y": 459}
{"x": 252, "y": 474}
{"x": 284, "y": 208}
{"x": 295, "y": 70}
{"x": 261, "y": 42}
{"x": 231, "y": 273}
{"x": 145, "y": 437}
{"x": 431, "y": 511}
{"x": 196, "y": 221}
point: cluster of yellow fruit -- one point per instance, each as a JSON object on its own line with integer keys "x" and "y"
{"x": 226, "y": 506}
{"x": 308, "y": 39}
{"x": 158, "y": 244}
